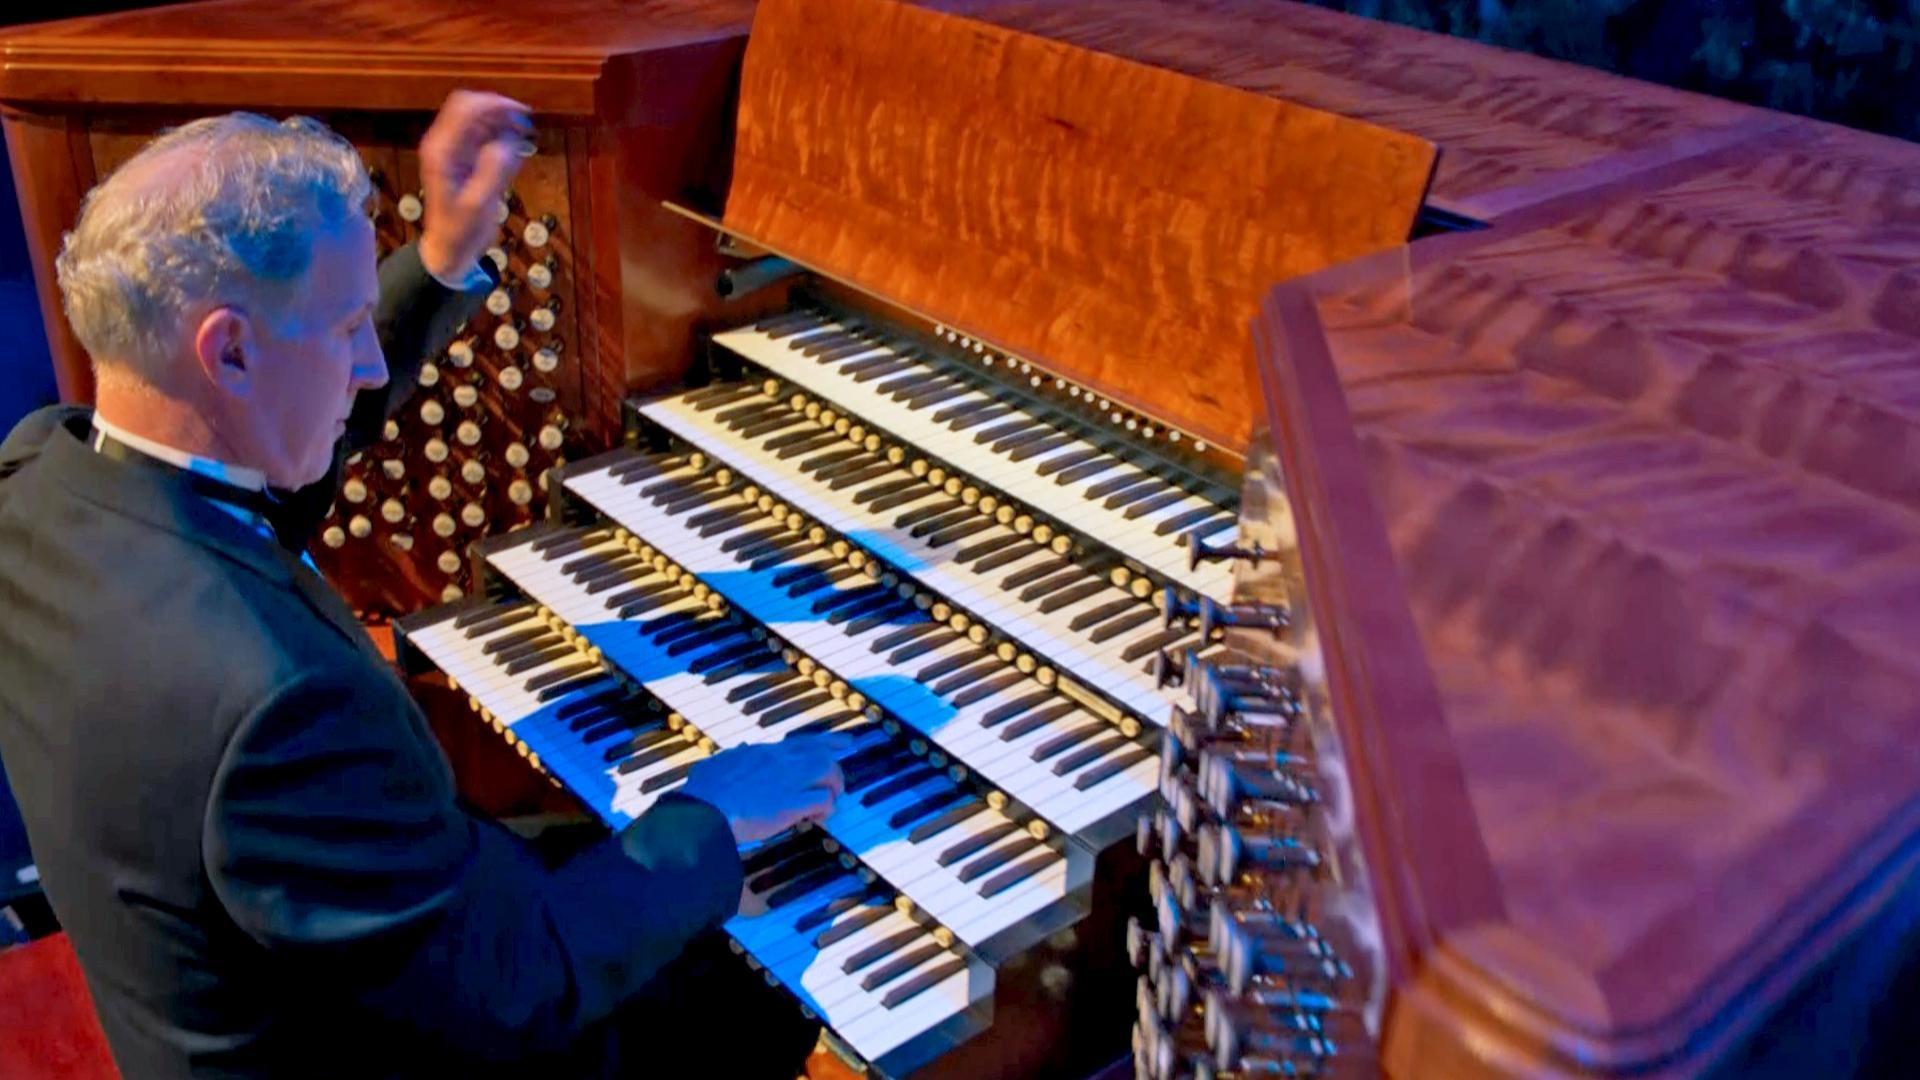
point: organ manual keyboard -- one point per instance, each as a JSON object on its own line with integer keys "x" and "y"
{"x": 964, "y": 532}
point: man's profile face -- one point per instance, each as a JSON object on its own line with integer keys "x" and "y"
{"x": 310, "y": 362}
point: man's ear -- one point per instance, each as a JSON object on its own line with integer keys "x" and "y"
{"x": 224, "y": 345}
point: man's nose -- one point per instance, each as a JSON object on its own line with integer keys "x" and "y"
{"x": 370, "y": 369}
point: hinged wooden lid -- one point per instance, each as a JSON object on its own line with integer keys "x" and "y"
{"x": 1112, "y": 221}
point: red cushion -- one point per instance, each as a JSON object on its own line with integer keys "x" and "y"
{"x": 48, "y": 1030}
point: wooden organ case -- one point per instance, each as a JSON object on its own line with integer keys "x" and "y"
{"x": 631, "y": 105}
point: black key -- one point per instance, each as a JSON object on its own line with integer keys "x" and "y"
{"x": 914, "y": 517}
{"x": 798, "y": 327}
{"x": 994, "y": 860}
{"x": 746, "y": 665}
{"x": 964, "y": 411}
{"x": 661, "y": 624}
{"x": 733, "y": 393}
{"x": 701, "y": 638}
{"x": 555, "y": 691}
{"x": 1054, "y": 583}
{"x": 891, "y": 487}
{"x": 1102, "y": 613}
{"x": 637, "y": 607}
{"x": 878, "y": 368}
{"x": 611, "y": 699}
{"x": 782, "y": 713}
{"x": 950, "y": 664}
{"x": 900, "y": 965}
{"x": 922, "y": 647}
{"x": 773, "y": 324}
{"x": 985, "y": 690}
{"x": 1178, "y": 522}
{"x": 728, "y": 655}
{"x": 518, "y": 637}
{"x": 842, "y": 597}
{"x": 1018, "y": 872}
{"x": 814, "y": 337}
{"x": 862, "y": 760}
{"x": 781, "y": 442}
{"x": 960, "y": 531}
{"x": 937, "y": 395}
{"x": 777, "y": 696}
{"x": 1075, "y": 474}
{"x": 1152, "y": 489}
{"x": 900, "y": 784}
{"x": 807, "y": 446}
{"x": 1037, "y": 433}
{"x": 908, "y": 382}
{"x": 1113, "y": 484}
{"x": 901, "y": 637}
{"x": 854, "y": 923}
{"x": 842, "y": 352}
{"x": 653, "y": 756}
{"x": 795, "y": 862}
{"x": 934, "y": 802}
{"x": 1121, "y": 625}
{"x": 1051, "y": 568}
{"x": 756, "y": 407}
{"x": 693, "y": 499}
{"x": 754, "y": 536}
{"x": 885, "y": 599}
{"x": 587, "y": 562}
{"x": 532, "y": 645}
{"x": 891, "y": 615}
{"x": 626, "y": 575}
{"x": 782, "y": 541}
{"x": 668, "y": 779}
{"x": 1006, "y": 556}
{"x": 1112, "y": 767}
{"x": 985, "y": 547}
{"x": 1067, "y": 740}
{"x": 1215, "y": 526}
{"x": 862, "y": 475}
{"x": 967, "y": 420}
{"x": 559, "y": 675}
{"x": 481, "y": 621}
{"x": 1088, "y": 754}
{"x": 800, "y": 887}
{"x": 761, "y": 685}
{"x": 923, "y": 982}
{"x": 967, "y": 676}
{"x": 566, "y": 545}
{"x": 774, "y": 556}
{"x": 1068, "y": 461}
{"x": 641, "y": 592}
{"x": 1159, "y": 502}
{"x": 1015, "y": 426}
{"x": 536, "y": 659}
{"x": 881, "y": 949}
{"x": 654, "y": 737}
{"x": 1000, "y": 714}
{"x": 839, "y": 905}
{"x": 902, "y": 498}
{"x": 608, "y": 728}
{"x": 1034, "y": 721}
{"x": 736, "y": 517}
{"x": 934, "y": 826}
{"x": 937, "y": 522}
{"x": 1068, "y": 597}
{"x": 971, "y": 846}
{"x": 1150, "y": 645}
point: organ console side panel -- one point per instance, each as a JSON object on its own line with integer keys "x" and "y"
{"x": 1109, "y": 218}
{"x": 52, "y": 170}
{"x": 1594, "y": 481}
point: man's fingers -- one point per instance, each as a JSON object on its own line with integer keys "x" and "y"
{"x": 499, "y": 163}
{"x": 832, "y": 780}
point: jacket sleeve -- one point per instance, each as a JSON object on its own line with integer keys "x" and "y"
{"x": 333, "y": 839}
{"x": 416, "y": 317}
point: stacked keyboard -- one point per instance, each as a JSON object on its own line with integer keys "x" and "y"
{"x": 854, "y": 535}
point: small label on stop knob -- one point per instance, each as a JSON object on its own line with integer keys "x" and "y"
{"x": 451, "y": 593}
{"x": 440, "y": 487}
{"x": 394, "y": 511}
{"x": 460, "y": 353}
{"x": 468, "y": 433}
{"x": 542, "y": 319}
{"x": 520, "y": 492}
{"x": 359, "y": 526}
{"x": 466, "y": 396}
{"x": 498, "y": 302}
{"x": 334, "y": 536}
{"x": 429, "y": 374}
{"x": 411, "y": 208}
{"x": 436, "y": 450}
{"x": 432, "y": 411}
{"x": 443, "y": 525}
{"x": 546, "y": 360}
{"x": 517, "y": 455}
{"x": 473, "y": 515}
{"x": 448, "y": 562}
{"x": 505, "y": 336}
{"x": 473, "y": 472}
{"x": 540, "y": 276}
{"x": 535, "y": 234}
{"x": 394, "y": 468}
{"x": 551, "y": 437}
{"x": 354, "y": 490}
{"x": 511, "y": 378}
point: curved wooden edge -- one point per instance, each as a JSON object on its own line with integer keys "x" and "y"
{"x": 1429, "y": 864}
{"x": 52, "y": 170}
{"x": 1441, "y": 908}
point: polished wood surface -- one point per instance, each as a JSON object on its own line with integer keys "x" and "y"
{"x": 1646, "y": 461}
{"x": 52, "y": 170}
{"x": 1504, "y": 121}
{"x": 1113, "y": 221}
{"x": 350, "y": 54}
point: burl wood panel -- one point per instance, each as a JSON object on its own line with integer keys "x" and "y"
{"x": 1649, "y": 468}
{"x": 1108, "y": 219}
{"x": 1504, "y": 121}
{"x": 349, "y": 54}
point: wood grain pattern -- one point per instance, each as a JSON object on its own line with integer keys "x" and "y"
{"x": 1503, "y": 120}
{"x": 1112, "y": 220}
{"x": 1649, "y": 467}
{"x": 349, "y": 54}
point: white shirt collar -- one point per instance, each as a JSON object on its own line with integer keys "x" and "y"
{"x": 239, "y": 476}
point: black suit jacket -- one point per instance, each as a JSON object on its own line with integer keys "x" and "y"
{"x": 240, "y": 816}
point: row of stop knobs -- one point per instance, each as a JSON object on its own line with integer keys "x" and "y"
{"x": 1236, "y": 978}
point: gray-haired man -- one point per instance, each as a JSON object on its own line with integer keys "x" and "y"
{"x": 240, "y": 817}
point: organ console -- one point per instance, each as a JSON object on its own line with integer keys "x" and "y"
{"x": 1271, "y": 646}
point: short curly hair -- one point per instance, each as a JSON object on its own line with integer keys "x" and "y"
{"x": 223, "y": 210}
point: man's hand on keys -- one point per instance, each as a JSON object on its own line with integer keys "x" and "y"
{"x": 471, "y": 153}
{"x": 768, "y": 788}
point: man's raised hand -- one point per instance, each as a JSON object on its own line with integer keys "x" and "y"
{"x": 768, "y": 788}
{"x": 469, "y": 155}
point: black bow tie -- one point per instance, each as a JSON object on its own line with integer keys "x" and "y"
{"x": 258, "y": 502}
